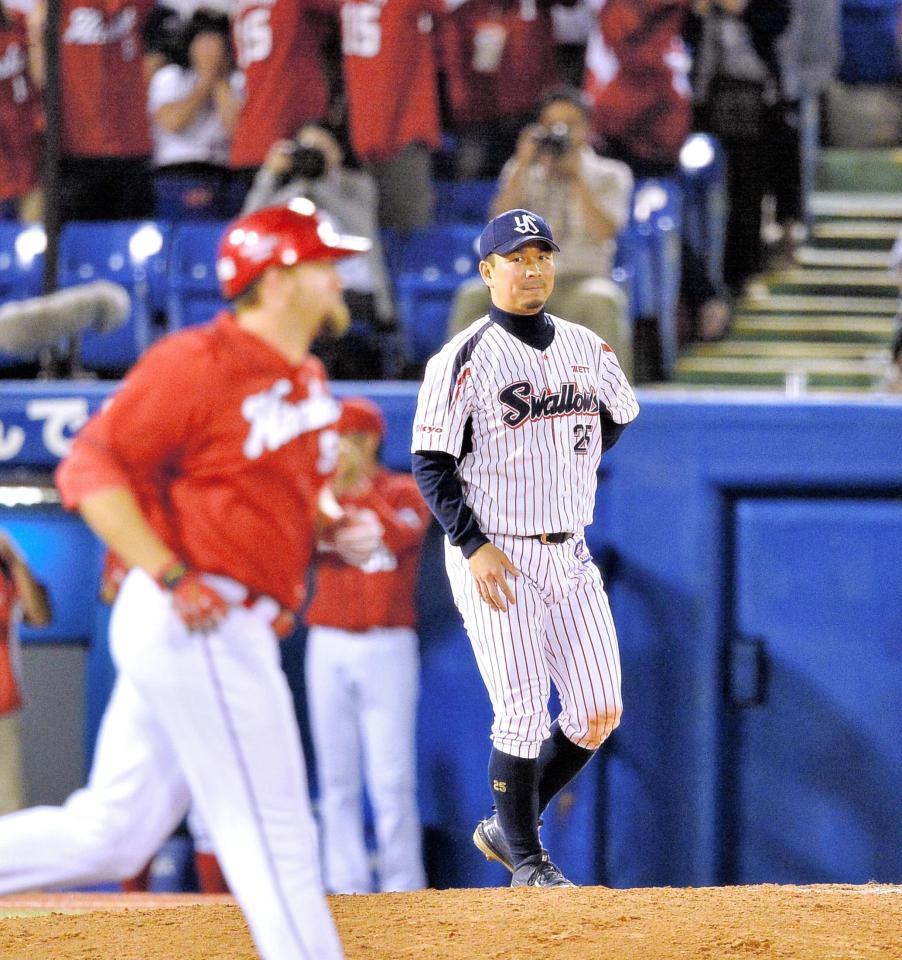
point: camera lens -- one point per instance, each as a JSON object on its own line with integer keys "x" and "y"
{"x": 307, "y": 162}
{"x": 555, "y": 141}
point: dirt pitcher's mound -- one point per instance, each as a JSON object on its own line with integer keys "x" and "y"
{"x": 587, "y": 923}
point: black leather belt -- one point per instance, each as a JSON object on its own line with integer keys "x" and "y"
{"x": 551, "y": 537}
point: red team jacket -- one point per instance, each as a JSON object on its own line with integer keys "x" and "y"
{"x": 500, "y": 58}
{"x": 20, "y": 112}
{"x": 221, "y": 440}
{"x": 381, "y": 592}
{"x": 10, "y": 695}
{"x": 390, "y": 71}
{"x": 104, "y": 106}
{"x": 277, "y": 43}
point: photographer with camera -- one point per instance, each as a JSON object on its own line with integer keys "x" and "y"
{"x": 193, "y": 102}
{"x": 312, "y": 165}
{"x": 585, "y": 199}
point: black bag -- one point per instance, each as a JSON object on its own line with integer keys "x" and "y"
{"x": 734, "y": 111}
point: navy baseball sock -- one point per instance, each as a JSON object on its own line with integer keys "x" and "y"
{"x": 560, "y": 760}
{"x": 512, "y": 781}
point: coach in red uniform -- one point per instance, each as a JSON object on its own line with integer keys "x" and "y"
{"x": 20, "y": 121}
{"x": 363, "y": 666}
{"x": 277, "y": 43}
{"x": 203, "y": 474}
{"x": 391, "y": 83}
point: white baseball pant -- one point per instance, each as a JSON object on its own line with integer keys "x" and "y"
{"x": 362, "y": 697}
{"x": 560, "y": 628}
{"x": 203, "y": 717}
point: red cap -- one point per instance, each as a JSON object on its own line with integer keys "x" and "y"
{"x": 359, "y": 415}
{"x": 281, "y": 237}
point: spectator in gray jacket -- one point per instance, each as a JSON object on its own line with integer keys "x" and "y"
{"x": 312, "y": 166}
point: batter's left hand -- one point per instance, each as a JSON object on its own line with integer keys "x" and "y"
{"x": 490, "y": 566}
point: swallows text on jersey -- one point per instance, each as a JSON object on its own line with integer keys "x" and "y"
{"x": 524, "y": 403}
{"x": 275, "y": 421}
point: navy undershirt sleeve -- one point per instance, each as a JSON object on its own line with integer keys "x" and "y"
{"x": 436, "y": 476}
{"x": 610, "y": 431}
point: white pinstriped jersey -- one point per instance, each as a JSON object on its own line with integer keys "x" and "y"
{"x": 526, "y": 421}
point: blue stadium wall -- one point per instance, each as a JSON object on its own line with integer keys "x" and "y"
{"x": 752, "y": 548}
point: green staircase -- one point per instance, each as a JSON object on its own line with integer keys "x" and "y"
{"x": 825, "y": 321}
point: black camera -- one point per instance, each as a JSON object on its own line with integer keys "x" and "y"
{"x": 554, "y": 140}
{"x": 308, "y": 163}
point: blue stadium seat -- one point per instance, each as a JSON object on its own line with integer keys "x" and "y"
{"x": 427, "y": 270}
{"x": 703, "y": 182}
{"x": 424, "y": 306}
{"x": 22, "y": 248}
{"x": 443, "y": 250}
{"x": 651, "y": 245}
{"x": 133, "y": 254}
{"x": 464, "y": 201}
{"x": 194, "y": 295}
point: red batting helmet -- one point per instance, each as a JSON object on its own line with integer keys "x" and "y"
{"x": 281, "y": 237}
{"x": 359, "y": 415}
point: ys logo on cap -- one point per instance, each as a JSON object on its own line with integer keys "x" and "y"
{"x": 526, "y": 224}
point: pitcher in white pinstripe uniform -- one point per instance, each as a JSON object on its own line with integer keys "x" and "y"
{"x": 513, "y": 416}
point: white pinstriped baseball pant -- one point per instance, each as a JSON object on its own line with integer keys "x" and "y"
{"x": 560, "y": 629}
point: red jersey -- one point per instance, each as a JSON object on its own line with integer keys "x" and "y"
{"x": 10, "y": 694}
{"x": 225, "y": 445}
{"x": 380, "y": 593}
{"x": 391, "y": 75}
{"x": 104, "y": 94}
{"x": 500, "y": 58}
{"x": 20, "y": 112}
{"x": 278, "y": 48}
{"x": 637, "y": 77}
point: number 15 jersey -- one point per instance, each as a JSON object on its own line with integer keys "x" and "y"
{"x": 525, "y": 423}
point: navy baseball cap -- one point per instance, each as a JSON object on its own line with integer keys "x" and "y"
{"x": 514, "y": 229}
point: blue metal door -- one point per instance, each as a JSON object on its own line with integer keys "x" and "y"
{"x": 813, "y": 680}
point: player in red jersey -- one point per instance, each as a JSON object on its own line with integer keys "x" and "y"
{"x": 391, "y": 84}
{"x": 277, "y": 43}
{"x": 204, "y": 475}
{"x": 637, "y": 83}
{"x": 363, "y": 665}
{"x": 500, "y": 61}
{"x": 21, "y": 120}
{"x": 105, "y": 131}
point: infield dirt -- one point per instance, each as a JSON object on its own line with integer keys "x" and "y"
{"x": 585, "y": 923}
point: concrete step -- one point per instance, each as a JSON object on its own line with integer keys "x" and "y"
{"x": 825, "y": 328}
{"x": 865, "y": 283}
{"x": 851, "y": 374}
{"x": 855, "y": 234}
{"x": 856, "y": 206}
{"x": 789, "y": 350}
{"x": 835, "y": 258}
{"x": 872, "y": 169}
{"x": 689, "y": 386}
{"x": 813, "y": 305}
